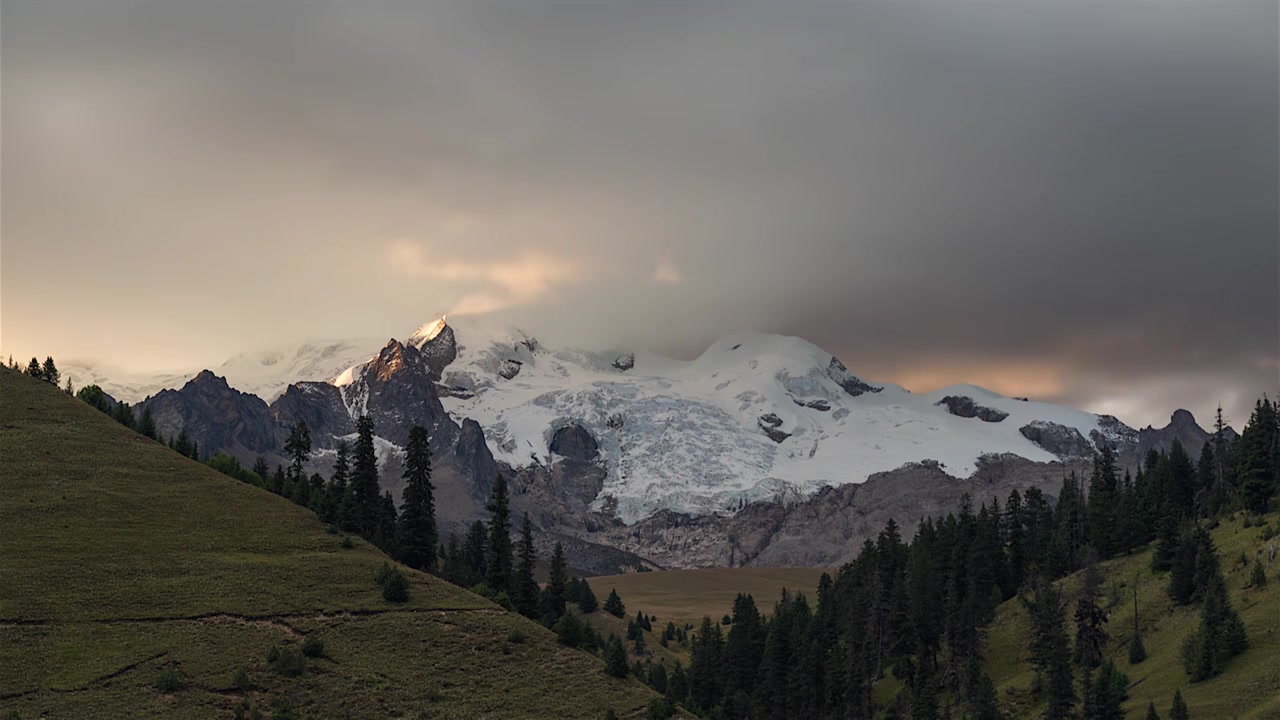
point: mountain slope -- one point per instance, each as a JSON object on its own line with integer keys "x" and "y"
{"x": 121, "y": 559}
{"x": 1247, "y": 689}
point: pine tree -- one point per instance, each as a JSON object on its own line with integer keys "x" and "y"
{"x": 260, "y": 469}
{"x": 1091, "y": 634}
{"x": 744, "y": 648}
{"x": 1103, "y": 501}
{"x": 34, "y": 370}
{"x": 1179, "y": 709}
{"x": 1051, "y": 651}
{"x": 1258, "y": 576}
{"x": 587, "y": 602}
{"x": 50, "y": 372}
{"x": 1257, "y": 457}
{"x": 474, "y": 551}
{"x": 498, "y": 559}
{"x": 1151, "y": 712}
{"x": 385, "y": 533}
{"x": 525, "y": 595}
{"x": 1105, "y": 692}
{"x": 615, "y": 658}
{"x": 148, "y": 425}
{"x": 1137, "y": 651}
{"x": 613, "y": 604}
{"x": 342, "y": 499}
{"x": 366, "y": 501}
{"x": 418, "y": 537}
{"x": 298, "y": 448}
{"x": 557, "y": 582}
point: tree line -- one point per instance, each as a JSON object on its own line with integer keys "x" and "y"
{"x": 919, "y": 610}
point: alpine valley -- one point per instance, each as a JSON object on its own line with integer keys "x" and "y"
{"x": 763, "y": 451}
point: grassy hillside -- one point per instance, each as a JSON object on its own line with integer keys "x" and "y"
{"x": 1248, "y": 688}
{"x": 122, "y": 561}
{"x": 688, "y": 595}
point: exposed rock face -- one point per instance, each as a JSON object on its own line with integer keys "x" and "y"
{"x": 510, "y": 368}
{"x": 851, "y": 384}
{"x": 1183, "y": 428}
{"x": 770, "y": 424}
{"x": 439, "y": 351}
{"x": 320, "y": 406}
{"x": 216, "y": 416}
{"x": 1065, "y": 442}
{"x": 829, "y": 528}
{"x": 966, "y": 407}
{"x": 625, "y": 362}
{"x": 575, "y": 443}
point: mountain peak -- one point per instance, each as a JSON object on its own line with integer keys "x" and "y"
{"x": 427, "y": 332}
{"x": 206, "y": 378}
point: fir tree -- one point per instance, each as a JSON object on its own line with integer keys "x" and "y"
{"x": 298, "y": 448}
{"x": 1179, "y": 709}
{"x": 260, "y": 469}
{"x": 1105, "y": 694}
{"x": 613, "y": 604}
{"x": 1051, "y": 651}
{"x": 418, "y": 537}
{"x": 615, "y": 658}
{"x": 1091, "y": 634}
{"x": 341, "y": 499}
{"x": 1151, "y": 712}
{"x": 148, "y": 425}
{"x": 587, "y": 602}
{"x": 366, "y": 501}
{"x": 557, "y": 581}
{"x": 525, "y": 595}
{"x": 474, "y": 552}
{"x": 384, "y": 535}
{"x": 49, "y": 372}
{"x": 34, "y": 370}
{"x": 498, "y": 559}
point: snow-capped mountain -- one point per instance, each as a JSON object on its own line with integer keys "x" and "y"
{"x": 265, "y": 374}
{"x": 755, "y": 417}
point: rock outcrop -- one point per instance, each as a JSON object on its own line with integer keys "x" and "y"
{"x": 966, "y": 407}
{"x": 1065, "y": 442}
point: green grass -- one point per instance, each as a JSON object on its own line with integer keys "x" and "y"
{"x": 688, "y": 595}
{"x": 1247, "y": 689}
{"x": 121, "y": 560}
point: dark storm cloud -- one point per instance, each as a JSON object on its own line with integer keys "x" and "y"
{"x": 1076, "y": 200}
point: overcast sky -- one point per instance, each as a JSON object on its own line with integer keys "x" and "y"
{"x": 1075, "y": 201}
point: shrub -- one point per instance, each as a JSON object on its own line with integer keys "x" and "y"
{"x": 1267, "y": 533}
{"x": 240, "y": 681}
{"x": 168, "y": 681}
{"x": 1258, "y": 578}
{"x": 313, "y": 647}
{"x": 659, "y": 709}
{"x": 516, "y": 636}
{"x": 1137, "y": 651}
{"x": 395, "y": 586}
{"x": 346, "y": 543}
{"x": 287, "y": 661}
{"x": 244, "y": 710}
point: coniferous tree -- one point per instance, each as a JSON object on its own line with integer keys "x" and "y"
{"x": 744, "y": 648}
{"x": 418, "y": 537}
{"x": 587, "y": 602}
{"x": 525, "y": 588}
{"x": 34, "y": 370}
{"x": 613, "y": 604}
{"x": 49, "y": 372}
{"x": 1257, "y": 457}
{"x": 557, "y": 582}
{"x": 260, "y": 469}
{"x": 70, "y": 389}
{"x": 1151, "y": 712}
{"x": 498, "y": 558}
{"x": 1091, "y": 634}
{"x": 298, "y": 448}
{"x": 1179, "y": 709}
{"x": 1137, "y": 651}
{"x": 453, "y": 563}
{"x": 615, "y": 658}
{"x": 366, "y": 507}
{"x": 705, "y": 682}
{"x": 341, "y": 498}
{"x": 93, "y": 396}
{"x": 1105, "y": 693}
{"x": 1104, "y": 495}
{"x": 1051, "y": 651}
{"x": 148, "y": 425}
{"x": 474, "y": 551}
{"x": 384, "y": 535}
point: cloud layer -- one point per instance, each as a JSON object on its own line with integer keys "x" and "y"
{"x": 1073, "y": 201}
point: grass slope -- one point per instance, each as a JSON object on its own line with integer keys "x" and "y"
{"x": 120, "y": 559}
{"x": 688, "y": 595}
{"x": 1247, "y": 689}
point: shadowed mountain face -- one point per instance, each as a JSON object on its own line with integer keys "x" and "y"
{"x": 587, "y": 444}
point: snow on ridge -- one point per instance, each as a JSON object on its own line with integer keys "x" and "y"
{"x": 690, "y": 435}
